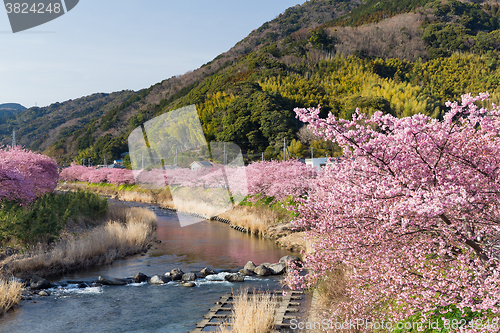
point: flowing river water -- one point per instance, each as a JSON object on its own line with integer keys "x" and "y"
{"x": 143, "y": 307}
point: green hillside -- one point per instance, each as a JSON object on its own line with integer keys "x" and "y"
{"x": 10, "y": 109}
{"x": 400, "y": 57}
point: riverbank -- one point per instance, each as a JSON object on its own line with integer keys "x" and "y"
{"x": 124, "y": 231}
{"x": 256, "y": 219}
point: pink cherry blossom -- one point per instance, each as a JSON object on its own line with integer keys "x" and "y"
{"x": 25, "y": 175}
{"x": 412, "y": 210}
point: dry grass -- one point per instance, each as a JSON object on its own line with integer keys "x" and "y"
{"x": 155, "y": 196}
{"x": 10, "y": 294}
{"x": 295, "y": 242}
{"x": 327, "y": 295}
{"x": 136, "y": 197}
{"x": 132, "y": 231}
{"x": 206, "y": 202}
{"x": 331, "y": 290}
{"x": 196, "y": 206}
{"x": 256, "y": 219}
{"x": 254, "y": 314}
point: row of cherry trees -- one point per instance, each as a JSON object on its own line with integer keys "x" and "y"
{"x": 25, "y": 175}
{"x": 412, "y": 211}
{"x": 269, "y": 178}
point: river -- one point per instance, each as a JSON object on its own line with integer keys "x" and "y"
{"x": 148, "y": 308}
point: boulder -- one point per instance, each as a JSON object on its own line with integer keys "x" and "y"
{"x": 286, "y": 259}
{"x": 277, "y": 269}
{"x": 188, "y": 284}
{"x": 262, "y": 270}
{"x": 188, "y": 277}
{"x": 176, "y": 274}
{"x": 139, "y": 277}
{"x": 234, "y": 278}
{"x": 110, "y": 281}
{"x": 158, "y": 279}
{"x": 246, "y": 272}
{"x": 207, "y": 271}
{"x": 250, "y": 266}
{"x": 43, "y": 293}
{"x": 37, "y": 283}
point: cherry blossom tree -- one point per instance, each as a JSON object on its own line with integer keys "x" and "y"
{"x": 412, "y": 210}
{"x": 280, "y": 179}
{"x": 25, "y": 175}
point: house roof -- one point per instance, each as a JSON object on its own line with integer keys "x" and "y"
{"x": 115, "y": 166}
{"x": 202, "y": 163}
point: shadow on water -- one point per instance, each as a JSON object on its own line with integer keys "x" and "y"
{"x": 148, "y": 308}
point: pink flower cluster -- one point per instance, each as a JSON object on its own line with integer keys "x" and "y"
{"x": 25, "y": 175}
{"x": 412, "y": 211}
{"x": 280, "y": 179}
{"x": 94, "y": 175}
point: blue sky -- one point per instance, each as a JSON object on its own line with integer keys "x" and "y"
{"x": 112, "y": 45}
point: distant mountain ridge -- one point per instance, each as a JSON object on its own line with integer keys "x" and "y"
{"x": 9, "y": 109}
{"x": 398, "y": 56}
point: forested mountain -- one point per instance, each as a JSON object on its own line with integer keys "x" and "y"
{"x": 9, "y": 109}
{"x": 401, "y": 57}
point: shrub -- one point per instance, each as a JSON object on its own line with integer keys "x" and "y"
{"x": 45, "y": 217}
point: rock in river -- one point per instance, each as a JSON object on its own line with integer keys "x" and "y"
{"x": 246, "y": 272}
{"x": 189, "y": 284}
{"x": 262, "y": 270}
{"x": 189, "y": 277}
{"x": 250, "y": 266}
{"x": 176, "y": 274}
{"x": 157, "y": 279}
{"x": 277, "y": 269}
{"x": 37, "y": 283}
{"x": 207, "y": 271}
{"x": 286, "y": 259}
{"x": 110, "y": 281}
{"x": 234, "y": 278}
{"x": 139, "y": 277}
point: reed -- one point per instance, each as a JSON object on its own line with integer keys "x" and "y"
{"x": 251, "y": 314}
{"x": 10, "y": 294}
{"x": 131, "y": 232}
{"x": 256, "y": 219}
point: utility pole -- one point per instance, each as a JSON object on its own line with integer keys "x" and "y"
{"x": 225, "y": 160}
{"x": 284, "y": 149}
{"x": 13, "y": 138}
